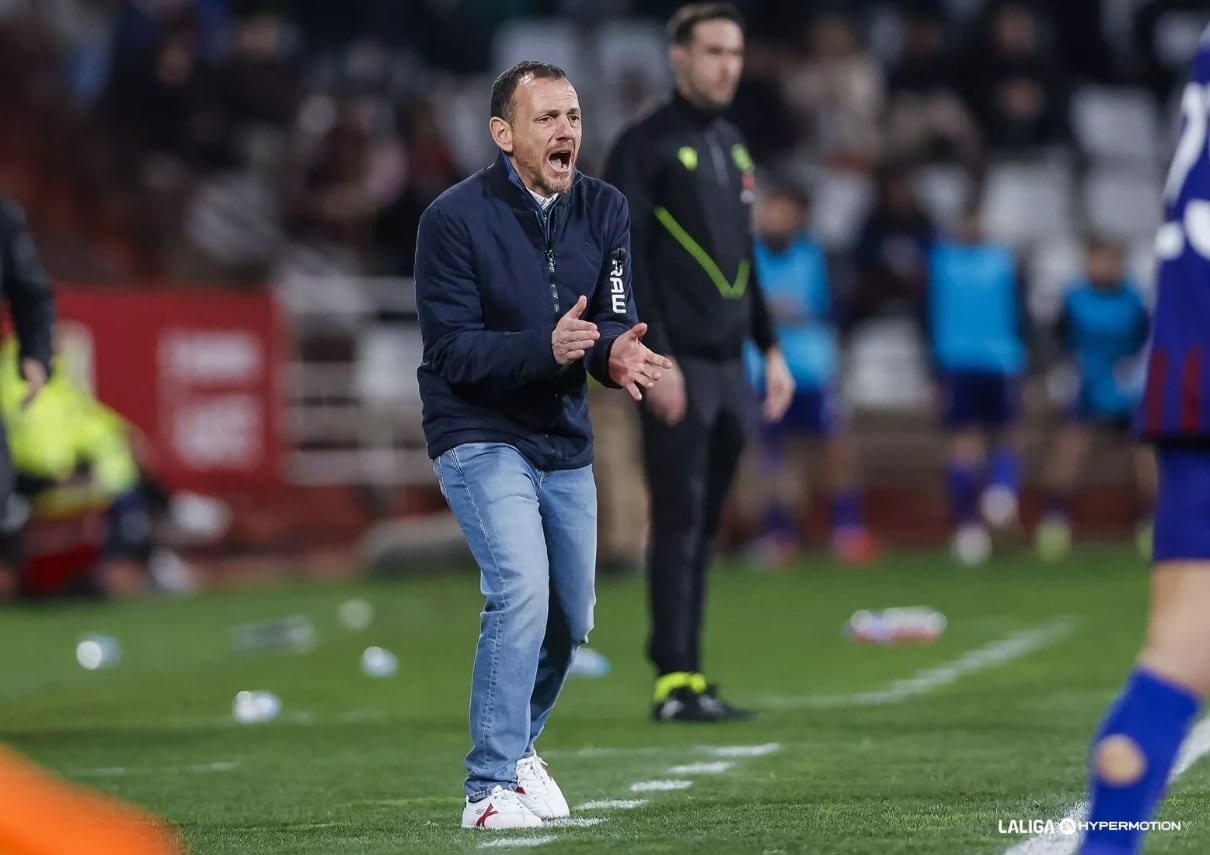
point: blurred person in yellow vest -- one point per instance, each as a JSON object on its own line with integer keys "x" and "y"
{"x": 40, "y": 815}
{"x": 72, "y": 456}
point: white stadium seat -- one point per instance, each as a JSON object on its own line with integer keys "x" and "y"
{"x": 1117, "y": 124}
{"x": 840, "y": 204}
{"x": 944, "y": 191}
{"x": 1140, "y": 262}
{"x": 633, "y": 47}
{"x": 1050, "y": 270}
{"x": 1123, "y": 204}
{"x": 464, "y": 122}
{"x": 541, "y": 39}
{"x": 886, "y": 366}
{"x": 1027, "y": 202}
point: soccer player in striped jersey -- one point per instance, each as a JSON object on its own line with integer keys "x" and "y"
{"x": 1136, "y": 745}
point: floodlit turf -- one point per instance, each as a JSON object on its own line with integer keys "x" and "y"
{"x": 355, "y": 765}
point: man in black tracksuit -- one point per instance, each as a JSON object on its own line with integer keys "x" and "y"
{"x": 689, "y": 181}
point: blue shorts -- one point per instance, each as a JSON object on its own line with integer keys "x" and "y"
{"x": 1083, "y": 414}
{"x": 979, "y": 399}
{"x": 812, "y": 412}
{"x": 1182, "y": 507}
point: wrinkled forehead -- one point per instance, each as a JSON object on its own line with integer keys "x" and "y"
{"x": 538, "y": 95}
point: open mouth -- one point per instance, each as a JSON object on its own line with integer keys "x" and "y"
{"x": 560, "y": 160}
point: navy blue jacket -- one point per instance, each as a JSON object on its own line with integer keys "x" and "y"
{"x": 494, "y": 273}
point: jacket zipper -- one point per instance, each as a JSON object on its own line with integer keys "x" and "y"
{"x": 720, "y": 161}
{"x": 548, "y": 232}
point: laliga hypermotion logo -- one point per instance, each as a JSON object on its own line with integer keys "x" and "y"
{"x": 1067, "y": 826}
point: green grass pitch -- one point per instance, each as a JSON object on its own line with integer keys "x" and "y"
{"x": 358, "y": 765}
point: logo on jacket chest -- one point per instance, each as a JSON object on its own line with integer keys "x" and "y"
{"x": 748, "y": 194}
{"x": 747, "y": 167}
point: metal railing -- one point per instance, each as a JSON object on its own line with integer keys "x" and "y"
{"x": 353, "y": 412}
{"x": 352, "y": 407}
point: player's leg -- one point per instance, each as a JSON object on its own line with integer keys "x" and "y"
{"x": 999, "y": 503}
{"x": 784, "y": 481}
{"x": 851, "y": 540}
{"x": 14, "y": 518}
{"x": 493, "y": 491}
{"x": 726, "y": 445}
{"x": 967, "y": 459}
{"x": 777, "y": 474}
{"x": 567, "y": 500}
{"x": 123, "y": 567}
{"x": 1145, "y": 478}
{"x": 1136, "y": 744}
{"x": 1072, "y": 443}
{"x": 966, "y": 455}
{"x": 674, "y": 459}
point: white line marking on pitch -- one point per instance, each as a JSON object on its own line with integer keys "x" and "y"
{"x": 591, "y": 751}
{"x": 364, "y": 716}
{"x": 608, "y": 804}
{"x": 118, "y": 771}
{"x": 742, "y": 750}
{"x": 659, "y": 786}
{"x": 518, "y": 842}
{"x": 1195, "y": 747}
{"x": 575, "y": 822}
{"x": 973, "y": 661}
{"x": 716, "y": 767}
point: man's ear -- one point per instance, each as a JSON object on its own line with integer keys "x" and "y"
{"x": 502, "y": 134}
{"x": 677, "y": 57}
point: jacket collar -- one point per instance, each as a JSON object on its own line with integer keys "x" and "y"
{"x": 696, "y": 116}
{"x": 510, "y": 186}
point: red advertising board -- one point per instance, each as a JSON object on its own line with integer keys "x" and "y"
{"x": 196, "y": 371}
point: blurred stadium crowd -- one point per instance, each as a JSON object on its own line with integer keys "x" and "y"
{"x": 237, "y": 140}
{"x": 293, "y": 144}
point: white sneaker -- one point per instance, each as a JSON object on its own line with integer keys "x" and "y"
{"x": 538, "y": 790}
{"x": 972, "y": 545}
{"x": 999, "y": 507}
{"x": 501, "y": 808}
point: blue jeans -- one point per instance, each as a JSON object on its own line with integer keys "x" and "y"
{"x": 534, "y": 536}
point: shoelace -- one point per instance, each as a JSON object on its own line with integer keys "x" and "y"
{"x": 531, "y": 774}
{"x": 506, "y": 799}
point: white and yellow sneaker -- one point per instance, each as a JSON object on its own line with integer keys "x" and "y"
{"x": 1053, "y": 538}
{"x": 498, "y": 810}
{"x": 538, "y": 790}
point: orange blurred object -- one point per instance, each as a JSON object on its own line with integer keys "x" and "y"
{"x": 41, "y": 815}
